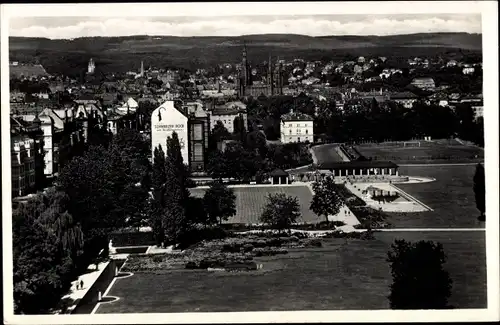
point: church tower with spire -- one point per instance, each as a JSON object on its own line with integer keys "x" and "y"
{"x": 243, "y": 80}
{"x": 91, "y": 66}
{"x": 278, "y": 78}
{"x": 269, "y": 79}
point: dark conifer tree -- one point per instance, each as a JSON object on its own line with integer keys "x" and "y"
{"x": 480, "y": 190}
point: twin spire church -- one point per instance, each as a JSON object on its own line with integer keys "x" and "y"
{"x": 245, "y": 86}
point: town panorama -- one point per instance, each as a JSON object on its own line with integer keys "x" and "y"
{"x": 270, "y": 172}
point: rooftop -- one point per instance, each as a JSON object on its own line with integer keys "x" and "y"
{"x": 296, "y": 116}
{"x": 278, "y": 173}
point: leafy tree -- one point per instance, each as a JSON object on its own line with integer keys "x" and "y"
{"x": 42, "y": 263}
{"x": 174, "y": 221}
{"x": 218, "y": 133}
{"x": 419, "y": 280}
{"x": 157, "y": 205}
{"x": 256, "y": 140}
{"x": 242, "y": 164}
{"x": 219, "y": 202}
{"x": 57, "y": 217}
{"x": 281, "y": 211}
{"x": 480, "y": 190}
{"x": 95, "y": 183}
{"x": 158, "y": 174}
{"x": 135, "y": 199}
{"x": 175, "y": 156}
{"x": 218, "y": 166}
{"x": 239, "y": 129}
{"x": 195, "y": 211}
{"x": 176, "y": 196}
{"x": 132, "y": 145}
{"x": 325, "y": 201}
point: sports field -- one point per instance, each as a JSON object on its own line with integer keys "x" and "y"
{"x": 450, "y": 196}
{"x": 250, "y": 202}
{"x": 341, "y": 275}
{"x": 427, "y": 152}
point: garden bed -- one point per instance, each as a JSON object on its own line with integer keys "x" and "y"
{"x": 234, "y": 253}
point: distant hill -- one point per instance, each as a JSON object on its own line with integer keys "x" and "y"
{"x": 206, "y": 51}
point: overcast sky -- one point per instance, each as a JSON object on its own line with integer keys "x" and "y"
{"x": 313, "y": 25}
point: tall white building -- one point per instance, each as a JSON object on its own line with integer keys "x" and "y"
{"x": 165, "y": 120}
{"x": 297, "y": 127}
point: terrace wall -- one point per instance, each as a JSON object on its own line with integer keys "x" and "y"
{"x": 88, "y": 302}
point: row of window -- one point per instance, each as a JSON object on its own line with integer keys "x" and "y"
{"x": 21, "y": 182}
{"x": 298, "y": 139}
{"x": 298, "y": 125}
{"x": 298, "y": 131}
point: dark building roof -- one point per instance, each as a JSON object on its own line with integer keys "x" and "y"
{"x": 296, "y": 116}
{"x": 357, "y": 164}
{"x": 225, "y": 111}
{"x": 278, "y": 173}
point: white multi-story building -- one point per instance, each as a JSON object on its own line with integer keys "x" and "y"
{"x": 227, "y": 113}
{"x": 297, "y": 127}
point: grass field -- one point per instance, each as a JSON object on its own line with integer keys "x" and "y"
{"x": 450, "y": 196}
{"x": 250, "y": 202}
{"x": 326, "y": 153}
{"x": 427, "y": 152}
{"x": 338, "y": 276}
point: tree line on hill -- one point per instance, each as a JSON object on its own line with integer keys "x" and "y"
{"x": 60, "y": 57}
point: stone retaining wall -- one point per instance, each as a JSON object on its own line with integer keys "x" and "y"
{"x": 88, "y": 302}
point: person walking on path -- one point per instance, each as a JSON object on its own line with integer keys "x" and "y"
{"x": 81, "y": 284}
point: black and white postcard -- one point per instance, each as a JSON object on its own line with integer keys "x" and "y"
{"x": 250, "y": 162}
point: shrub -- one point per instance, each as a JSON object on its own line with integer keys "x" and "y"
{"x": 191, "y": 265}
{"x": 313, "y": 243}
{"x": 367, "y": 235}
{"x": 231, "y": 248}
{"x": 157, "y": 258}
{"x": 247, "y": 248}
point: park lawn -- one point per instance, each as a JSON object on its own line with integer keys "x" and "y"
{"x": 250, "y": 202}
{"x": 427, "y": 152}
{"x": 342, "y": 275}
{"x": 326, "y": 153}
{"x": 451, "y": 197}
